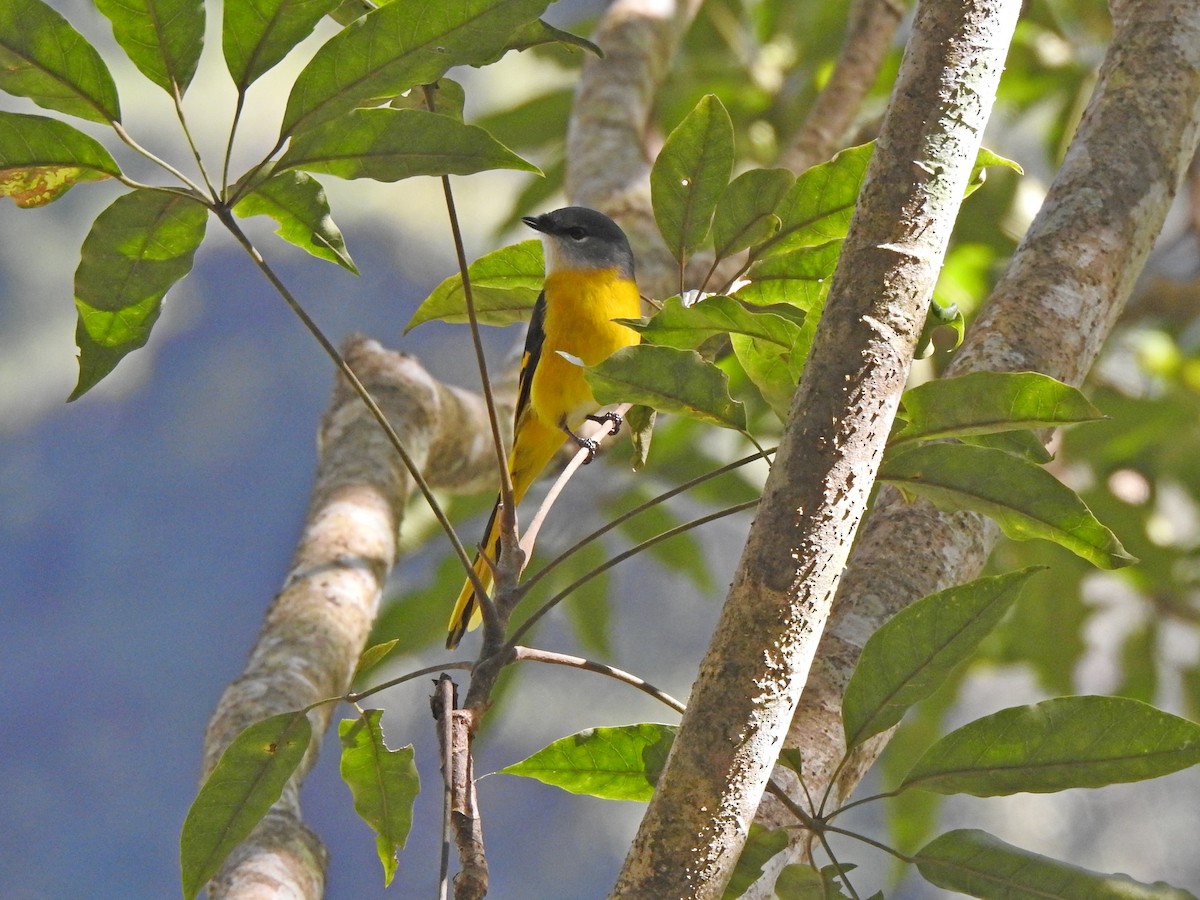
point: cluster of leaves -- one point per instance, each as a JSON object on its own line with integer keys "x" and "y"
{"x": 356, "y": 110}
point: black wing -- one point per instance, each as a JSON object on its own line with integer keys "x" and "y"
{"x": 534, "y": 339}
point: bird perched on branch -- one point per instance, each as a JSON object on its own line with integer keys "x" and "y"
{"x": 589, "y": 282}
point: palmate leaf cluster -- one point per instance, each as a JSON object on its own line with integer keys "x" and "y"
{"x": 726, "y": 351}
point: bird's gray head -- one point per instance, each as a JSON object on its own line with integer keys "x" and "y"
{"x": 576, "y": 237}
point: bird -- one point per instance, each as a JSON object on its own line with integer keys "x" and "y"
{"x": 589, "y": 282}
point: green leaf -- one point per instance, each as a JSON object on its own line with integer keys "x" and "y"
{"x": 136, "y": 251}
{"x": 818, "y": 207}
{"x": 800, "y": 882}
{"x": 640, "y": 422}
{"x": 446, "y": 95}
{"x": 1025, "y": 501}
{"x": 687, "y": 327}
{"x": 257, "y": 34}
{"x": 297, "y": 202}
{"x": 746, "y": 212}
{"x": 771, "y": 370}
{"x": 247, "y": 780}
{"x": 800, "y": 277}
{"x": 1067, "y": 742}
{"x": 539, "y": 32}
{"x": 976, "y": 863}
{"x": 619, "y": 763}
{"x": 690, "y": 176}
{"x": 41, "y": 159}
{"x": 396, "y": 47}
{"x": 940, "y": 316}
{"x": 761, "y": 844}
{"x": 384, "y": 784}
{"x": 163, "y": 38}
{"x": 504, "y": 284}
{"x": 669, "y": 380}
{"x": 373, "y": 656}
{"x": 990, "y": 402}
{"x": 1024, "y": 444}
{"x": 391, "y": 144}
{"x": 911, "y": 655}
{"x": 43, "y": 58}
{"x": 985, "y": 159}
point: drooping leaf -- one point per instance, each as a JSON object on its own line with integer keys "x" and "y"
{"x": 761, "y": 844}
{"x": 984, "y": 160}
{"x": 640, "y": 422}
{"x": 619, "y": 763}
{"x": 42, "y": 158}
{"x": 539, "y": 32}
{"x": 976, "y": 863}
{"x": 297, "y": 202}
{"x": 746, "y": 212}
{"x": 690, "y": 175}
{"x": 669, "y": 380}
{"x": 504, "y": 284}
{"x": 1024, "y": 500}
{"x": 246, "y": 781}
{"x": 257, "y": 34}
{"x": 163, "y": 38}
{"x": 990, "y": 402}
{"x": 384, "y": 784}
{"x": 1066, "y": 742}
{"x": 391, "y": 144}
{"x": 43, "y": 58}
{"x": 909, "y": 657}
{"x": 137, "y": 250}
{"x": 396, "y": 47}
{"x": 770, "y": 368}
{"x": 687, "y": 327}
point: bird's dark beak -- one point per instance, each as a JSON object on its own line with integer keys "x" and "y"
{"x": 535, "y": 222}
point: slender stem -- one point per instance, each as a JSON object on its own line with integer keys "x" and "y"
{"x": 878, "y": 845}
{"x": 842, "y": 874}
{"x": 187, "y": 133}
{"x": 886, "y": 795}
{"x": 356, "y": 696}
{"x": 237, "y": 117}
{"x": 445, "y": 703}
{"x": 638, "y": 510}
{"x": 138, "y": 148}
{"x": 331, "y": 351}
{"x": 530, "y": 654}
{"x": 621, "y": 557}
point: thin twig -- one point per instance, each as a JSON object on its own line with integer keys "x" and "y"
{"x": 531, "y": 654}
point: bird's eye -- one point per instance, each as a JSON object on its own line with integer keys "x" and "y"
{"x": 576, "y": 233}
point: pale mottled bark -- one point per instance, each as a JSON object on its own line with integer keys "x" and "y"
{"x": 757, "y": 664}
{"x": 1051, "y": 312}
{"x": 318, "y": 624}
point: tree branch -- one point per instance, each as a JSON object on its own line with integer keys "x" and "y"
{"x": 764, "y": 644}
{"x": 318, "y": 624}
{"x": 1052, "y": 310}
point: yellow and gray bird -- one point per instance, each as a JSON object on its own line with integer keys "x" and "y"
{"x": 589, "y": 282}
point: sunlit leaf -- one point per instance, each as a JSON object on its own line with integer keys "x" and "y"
{"x": 687, "y": 327}
{"x": 373, "y": 656}
{"x": 297, "y": 202}
{"x": 504, "y": 284}
{"x": 690, "y": 174}
{"x": 43, "y": 58}
{"x": 246, "y": 781}
{"x": 669, "y": 380}
{"x": 619, "y": 763}
{"x": 1067, "y": 742}
{"x": 910, "y": 656}
{"x": 137, "y": 250}
{"x": 41, "y": 159}
{"x": 257, "y": 34}
{"x": 976, "y": 863}
{"x": 396, "y": 47}
{"x": 990, "y": 402}
{"x": 1024, "y": 500}
{"x": 384, "y": 784}
{"x": 746, "y": 212}
{"x": 391, "y": 144}
{"x": 163, "y": 38}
